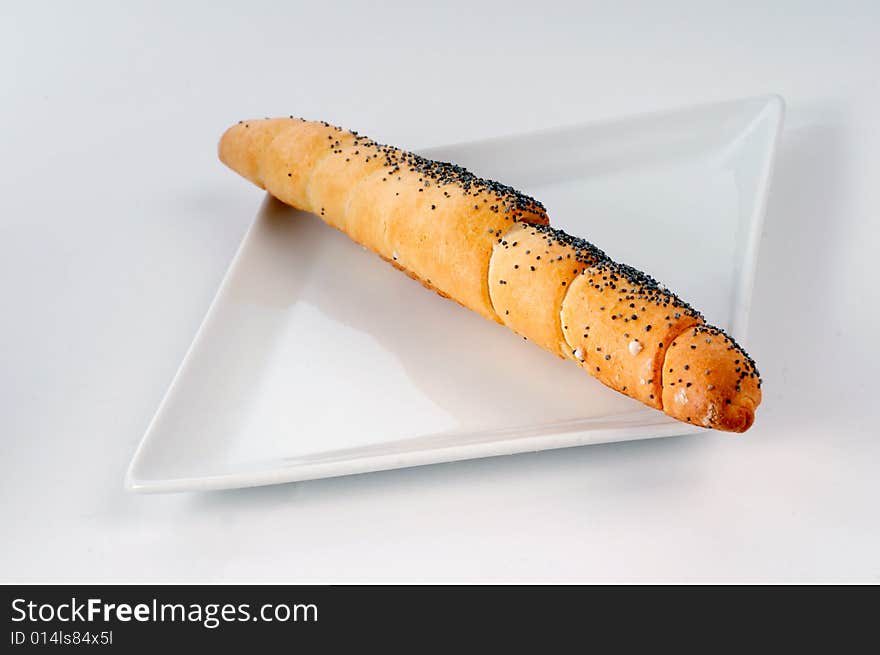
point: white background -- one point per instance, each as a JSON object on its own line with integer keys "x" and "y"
{"x": 117, "y": 223}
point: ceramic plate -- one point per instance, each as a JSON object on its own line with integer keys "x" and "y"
{"x": 318, "y": 359}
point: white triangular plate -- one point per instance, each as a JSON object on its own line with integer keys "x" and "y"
{"x": 318, "y": 359}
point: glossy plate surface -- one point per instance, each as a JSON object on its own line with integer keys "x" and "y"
{"x": 317, "y": 358}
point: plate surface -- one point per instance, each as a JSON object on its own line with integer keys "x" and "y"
{"x": 318, "y": 359}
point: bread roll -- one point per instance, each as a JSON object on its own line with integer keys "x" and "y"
{"x": 489, "y": 247}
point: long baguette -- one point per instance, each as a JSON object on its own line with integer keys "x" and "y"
{"x": 490, "y": 248}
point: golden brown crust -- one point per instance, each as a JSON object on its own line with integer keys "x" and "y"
{"x": 244, "y": 145}
{"x": 490, "y": 249}
{"x": 436, "y": 219}
{"x": 290, "y": 159}
{"x": 709, "y": 381}
{"x": 620, "y": 336}
{"x": 443, "y": 235}
{"x": 528, "y": 279}
{"x": 334, "y": 181}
